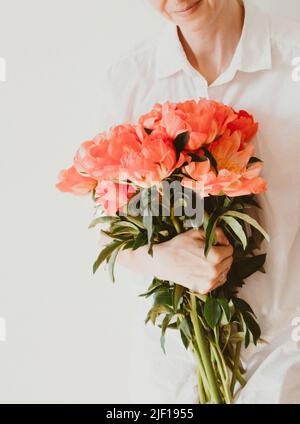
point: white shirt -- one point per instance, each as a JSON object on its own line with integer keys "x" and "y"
{"x": 259, "y": 79}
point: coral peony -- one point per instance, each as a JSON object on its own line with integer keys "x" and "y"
{"x": 154, "y": 162}
{"x": 70, "y": 181}
{"x": 245, "y": 124}
{"x": 205, "y": 120}
{"x": 112, "y": 196}
{"x": 100, "y": 157}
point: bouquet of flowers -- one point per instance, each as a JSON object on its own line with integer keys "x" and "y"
{"x": 183, "y": 166}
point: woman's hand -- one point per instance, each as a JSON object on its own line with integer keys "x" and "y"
{"x": 182, "y": 261}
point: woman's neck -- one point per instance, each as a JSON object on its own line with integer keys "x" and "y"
{"x": 211, "y": 48}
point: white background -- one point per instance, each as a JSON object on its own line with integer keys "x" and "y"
{"x": 66, "y": 330}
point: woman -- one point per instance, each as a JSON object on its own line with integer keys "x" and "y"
{"x": 229, "y": 51}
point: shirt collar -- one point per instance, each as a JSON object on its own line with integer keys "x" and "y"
{"x": 252, "y": 54}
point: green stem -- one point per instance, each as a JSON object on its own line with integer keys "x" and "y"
{"x": 201, "y": 370}
{"x": 202, "y": 396}
{"x": 176, "y": 222}
{"x": 223, "y": 374}
{"x": 218, "y": 361}
{"x": 240, "y": 379}
{"x": 204, "y": 352}
{"x": 239, "y": 376}
{"x": 221, "y": 356}
{"x": 235, "y": 366}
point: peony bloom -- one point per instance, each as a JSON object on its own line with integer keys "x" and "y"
{"x": 233, "y": 184}
{"x": 152, "y": 119}
{"x": 145, "y": 154}
{"x": 112, "y": 196}
{"x": 197, "y": 169}
{"x": 234, "y": 176}
{"x": 228, "y": 155}
{"x": 154, "y": 162}
{"x": 205, "y": 120}
{"x": 73, "y": 182}
{"x": 200, "y": 177}
{"x": 245, "y": 124}
{"x": 100, "y": 157}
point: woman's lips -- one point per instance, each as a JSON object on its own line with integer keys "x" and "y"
{"x": 189, "y": 10}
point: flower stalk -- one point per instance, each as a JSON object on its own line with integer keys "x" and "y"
{"x": 204, "y": 352}
{"x": 235, "y": 365}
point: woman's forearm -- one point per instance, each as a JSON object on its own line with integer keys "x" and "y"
{"x": 137, "y": 260}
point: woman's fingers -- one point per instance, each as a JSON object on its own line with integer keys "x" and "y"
{"x": 225, "y": 265}
{"x": 200, "y": 234}
{"x": 196, "y": 234}
{"x": 222, "y": 270}
{"x": 218, "y": 254}
{"x": 221, "y": 238}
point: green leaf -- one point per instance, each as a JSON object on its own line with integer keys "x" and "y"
{"x": 196, "y": 158}
{"x": 156, "y": 283}
{"x": 156, "y": 311}
{"x": 136, "y": 220}
{"x": 181, "y": 142}
{"x": 103, "y": 220}
{"x": 247, "y": 339}
{"x": 210, "y": 236}
{"x": 227, "y": 201}
{"x": 250, "y": 221}
{"x": 200, "y": 296}
{"x": 254, "y": 160}
{"x": 163, "y": 296}
{"x": 242, "y": 306}
{"x": 148, "y": 223}
{"x": 111, "y": 263}
{"x": 253, "y": 327}
{"x": 128, "y": 244}
{"x": 106, "y": 253}
{"x": 120, "y": 229}
{"x": 140, "y": 240}
{"x": 226, "y": 309}
{"x": 210, "y": 156}
{"x": 247, "y": 266}
{"x": 205, "y": 220}
{"x": 184, "y": 326}
{"x": 117, "y": 236}
{"x": 185, "y": 332}
{"x": 147, "y": 213}
{"x": 237, "y": 229}
{"x": 126, "y": 225}
{"x": 184, "y": 339}
{"x": 210, "y": 230}
{"x": 212, "y": 312}
{"x": 164, "y": 327}
{"x": 148, "y": 130}
{"x": 177, "y": 295}
{"x": 173, "y": 326}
